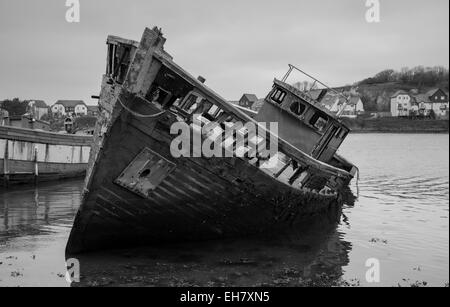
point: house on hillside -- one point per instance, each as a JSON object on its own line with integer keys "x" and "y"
{"x": 92, "y": 111}
{"x": 401, "y": 104}
{"x": 248, "y": 100}
{"x": 351, "y": 108}
{"x": 37, "y": 108}
{"x": 436, "y": 100}
{"x": 257, "y": 105}
{"x": 330, "y": 102}
{"x": 423, "y": 105}
{"x": 339, "y": 105}
{"x": 70, "y": 108}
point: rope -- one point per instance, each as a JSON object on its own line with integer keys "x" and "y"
{"x": 137, "y": 114}
{"x": 357, "y": 182}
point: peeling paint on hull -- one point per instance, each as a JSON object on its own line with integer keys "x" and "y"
{"x": 29, "y": 155}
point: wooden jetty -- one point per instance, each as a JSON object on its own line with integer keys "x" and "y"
{"x": 28, "y": 156}
{"x": 137, "y": 192}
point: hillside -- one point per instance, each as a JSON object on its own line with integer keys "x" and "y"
{"x": 376, "y": 97}
{"x": 397, "y": 125}
{"x": 377, "y": 90}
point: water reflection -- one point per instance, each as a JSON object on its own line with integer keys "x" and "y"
{"x": 34, "y": 226}
{"x": 26, "y": 210}
{"x": 401, "y": 218}
{"x": 35, "y": 223}
{"x": 304, "y": 256}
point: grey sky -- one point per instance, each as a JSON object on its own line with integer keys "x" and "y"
{"x": 238, "y": 45}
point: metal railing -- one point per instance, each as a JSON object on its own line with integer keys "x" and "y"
{"x": 293, "y": 67}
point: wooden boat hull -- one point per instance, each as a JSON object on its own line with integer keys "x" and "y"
{"x": 138, "y": 193}
{"x": 201, "y": 199}
{"x": 28, "y": 156}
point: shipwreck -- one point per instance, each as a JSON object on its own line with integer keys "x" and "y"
{"x": 138, "y": 192}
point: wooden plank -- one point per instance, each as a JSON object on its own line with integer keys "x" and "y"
{"x": 28, "y": 135}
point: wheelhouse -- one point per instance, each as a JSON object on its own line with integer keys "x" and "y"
{"x": 302, "y": 122}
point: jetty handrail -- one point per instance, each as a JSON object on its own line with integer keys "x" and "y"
{"x": 292, "y": 67}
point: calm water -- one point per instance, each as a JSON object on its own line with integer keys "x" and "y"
{"x": 401, "y": 218}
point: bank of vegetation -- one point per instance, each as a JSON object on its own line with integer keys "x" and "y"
{"x": 397, "y": 125}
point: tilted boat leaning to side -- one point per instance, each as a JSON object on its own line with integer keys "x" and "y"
{"x": 138, "y": 191}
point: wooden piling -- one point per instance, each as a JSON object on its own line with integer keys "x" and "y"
{"x": 36, "y": 166}
{"x": 6, "y": 166}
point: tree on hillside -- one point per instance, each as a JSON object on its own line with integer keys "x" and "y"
{"x": 387, "y": 75}
{"x": 369, "y": 103}
{"x": 15, "y": 106}
{"x": 418, "y": 76}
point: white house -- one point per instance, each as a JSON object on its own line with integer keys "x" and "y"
{"x": 436, "y": 100}
{"x": 70, "y": 107}
{"x": 331, "y": 102}
{"x": 401, "y": 104}
{"x": 37, "y": 108}
{"x": 337, "y": 104}
{"x": 352, "y": 108}
{"x": 4, "y": 117}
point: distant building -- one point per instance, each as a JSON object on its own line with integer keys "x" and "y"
{"x": 401, "y": 104}
{"x": 339, "y": 105}
{"x": 37, "y": 108}
{"x": 257, "y": 105}
{"x": 405, "y": 105}
{"x": 351, "y": 108}
{"x": 4, "y": 117}
{"x": 70, "y": 108}
{"x": 330, "y": 102}
{"x": 436, "y": 100}
{"x": 92, "y": 110}
{"x": 248, "y": 100}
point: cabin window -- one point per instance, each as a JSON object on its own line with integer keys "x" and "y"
{"x": 343, "y": 133}
{"x": 118, "y": 61}
{"x": 278, "y": 96}
{"x": 214, "y": 111}
{"x": 298, "y": 108}
{"x": 111, "y": 58}
{"x": 319, "y": 121}
{"x": 191, "y": 103}
{"x": 219, "y": 113}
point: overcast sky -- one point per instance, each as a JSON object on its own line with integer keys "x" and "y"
{"x": 239, "y": 46}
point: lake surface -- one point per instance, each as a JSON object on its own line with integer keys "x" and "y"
{"x": 401, "y": 219}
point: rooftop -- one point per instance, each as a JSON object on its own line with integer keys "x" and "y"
{"x": 70, "y": 103}
{"x": 400, "y": 92}
{"x": 250, "y": 97}
{"x": 39, "y": 103}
